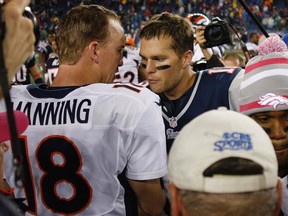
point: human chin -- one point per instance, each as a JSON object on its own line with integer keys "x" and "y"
{"x": 155, "y": 88}
{"x": 282, "y": 157}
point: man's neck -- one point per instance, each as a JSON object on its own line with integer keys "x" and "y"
{"x": 182, "y": 87}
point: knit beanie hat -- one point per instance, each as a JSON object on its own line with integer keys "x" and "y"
{"x": 264, "y": 86}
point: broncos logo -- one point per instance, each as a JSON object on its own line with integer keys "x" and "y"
{"x": 272, "y": 99}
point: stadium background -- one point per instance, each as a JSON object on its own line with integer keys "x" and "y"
{"x": 272, "y": 14}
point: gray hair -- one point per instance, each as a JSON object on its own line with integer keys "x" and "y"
{"x": 259, "y": 203}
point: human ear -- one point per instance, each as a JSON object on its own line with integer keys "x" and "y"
{"x": 279, "y": 200}
{"x": 188, "y": 58}
{"x": 176, "y": 200}
{"x": 93, "y": 51}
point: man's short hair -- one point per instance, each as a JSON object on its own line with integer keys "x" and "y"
{"x": 170, "y": 25}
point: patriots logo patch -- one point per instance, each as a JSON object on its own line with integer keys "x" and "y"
{"x": 273, "y": 100}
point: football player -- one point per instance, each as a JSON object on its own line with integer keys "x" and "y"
{"x": 84, "y": 132}
{"x": 166, "y": 52}
{"x": 52, "y": 64}
{"x": 128, "y": 72}
{"x": 27, "y": 71}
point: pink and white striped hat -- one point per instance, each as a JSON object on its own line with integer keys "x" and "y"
{"x": 264, "y": 86}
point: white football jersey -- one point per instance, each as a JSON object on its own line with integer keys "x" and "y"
{"x": 128, "y": 72}
{"x": 79, "y": 139}
{"x": 198, "y": 55}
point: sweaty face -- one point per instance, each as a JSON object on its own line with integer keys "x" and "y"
{"x": 276, "y": 126}
{"x": 111, "y": 53}
{"x": 162, "y": 66}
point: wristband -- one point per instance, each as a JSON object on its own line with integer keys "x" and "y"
{"x": 7, "y": 193}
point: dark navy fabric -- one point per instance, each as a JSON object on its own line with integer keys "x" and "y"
{"x": 209, "y": 91}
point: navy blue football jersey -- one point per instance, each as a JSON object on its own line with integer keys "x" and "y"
{"x": 52, "y": 65}
{"x": 44, "y": 48}
{"x": 22, "y": 77}
{"x": 209, "y": 91}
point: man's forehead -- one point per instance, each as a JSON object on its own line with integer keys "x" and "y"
{"x": 271, "y": 113}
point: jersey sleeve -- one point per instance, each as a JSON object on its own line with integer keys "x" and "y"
{"x": 31, "y": 62}
{"x": 147, "y": 152}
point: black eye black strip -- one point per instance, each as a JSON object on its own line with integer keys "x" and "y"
{"x": 163, "y": 67}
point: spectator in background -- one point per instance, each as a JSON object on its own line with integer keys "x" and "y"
{"x": 223, "y": 163}
{"x": 28, "y": 71}
{"x": 44, "y": 49}
{"x": 52, "y": 64}
{"x": 129, "y": 71}
{"x": 203, "y": 57}
{"x": 233, "y": 59}
{"x": 133, "y": 13}
{"x": 252, "y": 44}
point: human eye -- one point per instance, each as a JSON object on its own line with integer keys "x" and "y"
{"x": 286, "y": 117}
{"x": 159, "y": 59}
{"x": 143, "y": 62}
{"x": 263, "y": 119}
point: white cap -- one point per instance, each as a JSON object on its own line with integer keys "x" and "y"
{"x": 216, "y": 135}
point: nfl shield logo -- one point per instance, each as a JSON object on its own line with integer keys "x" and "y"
{"x": 173, "y": 122}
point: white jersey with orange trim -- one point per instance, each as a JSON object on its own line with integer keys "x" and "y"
{"x": 198, "y": 54}
{"x": 128, "y": 72}
{"x": 78, "y": 141}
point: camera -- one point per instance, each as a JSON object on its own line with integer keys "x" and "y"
{"x": 217, "y": 33}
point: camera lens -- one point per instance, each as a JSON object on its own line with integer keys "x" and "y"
{"x": 214, "y": 33}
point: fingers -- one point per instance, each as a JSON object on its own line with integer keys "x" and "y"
{"x": 13, "y": 12}
{"x": 200, "y": 35}
{"x": 19, "y": 36}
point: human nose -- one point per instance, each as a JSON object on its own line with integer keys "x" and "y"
{"x": 151, "y": 66}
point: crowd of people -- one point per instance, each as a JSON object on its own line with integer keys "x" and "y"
{"x": 133, "y": 14}
{"x": 186, "y": 137}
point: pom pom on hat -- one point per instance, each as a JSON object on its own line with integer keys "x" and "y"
{"x": 272, "y": 44}
{"x": 263, "y": 37}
